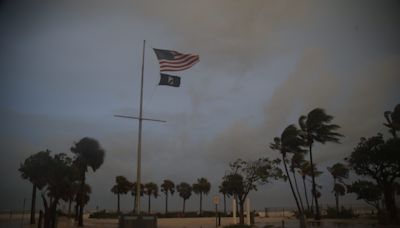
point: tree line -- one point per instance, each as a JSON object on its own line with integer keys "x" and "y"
{"x": 168, "y": 187}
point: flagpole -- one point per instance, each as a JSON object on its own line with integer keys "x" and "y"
{"x": 139, "y": 145}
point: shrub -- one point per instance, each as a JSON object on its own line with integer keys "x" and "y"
{"x": 343, "y": 213}
{"x": 104, "y": 214}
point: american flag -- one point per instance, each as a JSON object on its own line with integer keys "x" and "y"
{"x": 175, "y": 61}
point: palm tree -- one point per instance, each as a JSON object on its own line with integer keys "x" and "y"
{"x": 290, "y": 142}
{"x": 133, "y": 193}
{"x": 185, "y": 191}
{"x": 151, "y": 189}
{"x": 338, "y": 171}
{"x": 32, "y": 170}
{"x": 122, "y": 186}
{"x": 316, "y": 127}
{"x": 88, "y": 153}
{"x": 201, "y": 187}
{"x": 223, "y": 189}
{"x": 393, "y": 120}
{"x": 167, "y": 187}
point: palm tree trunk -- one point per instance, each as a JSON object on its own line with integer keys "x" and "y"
{"x": 183, "y": 209}
{"x": 312, "y": 204}
{"x": 118, "y": 207}
{"x": 76, "y": 211}
{"x": 337, "y": 201}
{"x": 53, "y": 209}
{"x": 236, "y": 203}
{"x": 46, "y": 223}
{"x": 297, "y": 190}
{"x": 224, "y": 204}
{"x": 148, "y": 208}
{"x": 336, "y": 195}
{"x": 33, "y": 204}
{"x": 201, "y": 199}
{"x": 390, "y": 203}
{"x": 241, "y": 217}
{"x": 80, "y": 220}
{"x": 134, "y": 203}
{"x": 305, "y": 192}
{"x": 69, "y": 208}
{"x": 47, "y": 218}
{"x": 301, "y": 214}
{"x": 314, "y": 190}
{"x": 166, "y": 203}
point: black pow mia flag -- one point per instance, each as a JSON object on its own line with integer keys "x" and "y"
{"x": 169, "y": 80}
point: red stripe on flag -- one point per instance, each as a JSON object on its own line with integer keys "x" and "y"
{"x": 188, "y": 59}
{"x": 178, "y": 67}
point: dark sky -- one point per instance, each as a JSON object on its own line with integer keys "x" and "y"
{"x": 68, "y": 66}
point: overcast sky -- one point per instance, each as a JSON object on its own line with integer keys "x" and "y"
{"x": 67, "y": 67}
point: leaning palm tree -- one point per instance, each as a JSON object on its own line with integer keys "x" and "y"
{"x": 290, "y": 142}
{"x": 185, "y": 191}
{"x": 317, "y": 127}
{"x": 122, "y": 186}
{"x": 339, "y": 172}
{"x": 150, "y": 189}
{"x": 393, "y": 120}
{"x": 88, "y": 153}
{"x": 201, "y": 187}
{"x": 167, "y": 187}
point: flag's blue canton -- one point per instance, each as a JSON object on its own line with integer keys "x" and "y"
{"x": 164, "y": 54}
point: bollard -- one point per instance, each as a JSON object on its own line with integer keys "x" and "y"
{"x": 234, "y": 211}
{"x": 248, "y": 212}
{"x": 216, "y": 215}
